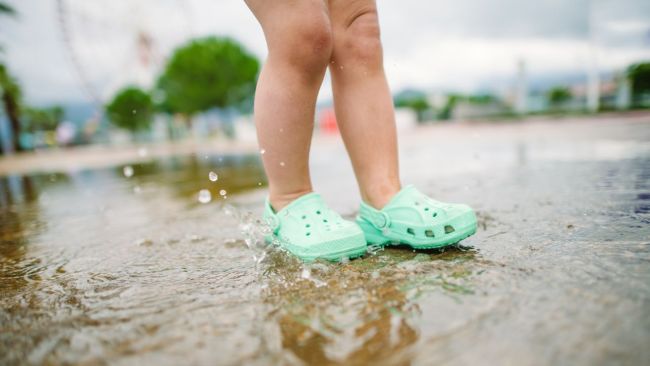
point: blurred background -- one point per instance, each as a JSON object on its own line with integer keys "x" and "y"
{"x": 131, "y": 187}
{"x": 114, "y": 72}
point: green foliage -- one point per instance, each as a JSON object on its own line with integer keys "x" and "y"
{"x": 206, "y": 73}
{"x": 448, "y": 108}
{"x": 559, "y": 95}
{"x": 41, "y": 119}
{"x": 414, "y": 100}
{"x": 11, "y": 95}
{"x": 639, "y": 75}
{"x": 481, "y": 99}
{"x": 131, "y": 109}
{"x": 417, "y": 104}
{"x": 8, "y": 84}
{"x": 6, "y": 8}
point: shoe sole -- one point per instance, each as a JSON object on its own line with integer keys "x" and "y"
{"x": 332, "y": 257}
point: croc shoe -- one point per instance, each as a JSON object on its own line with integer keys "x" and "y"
{"x": 413, "y": 218}
{"x": 309, "y": 229}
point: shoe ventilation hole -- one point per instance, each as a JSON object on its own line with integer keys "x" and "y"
{"x": 410, "y": 231}
{"x": 304, "y": 217}
{"x": 435, "y": 214}
{"x": 449, "y": 229}
{"x": 426, "y": 209}
{"x": 429, "y": 233}
{"x": 307, "y": 225}
{"x": 307, "y": 234}
{"x": 317, "y": 212}
{"x": 417, "y": 203}
{"x": 324, "y": 220}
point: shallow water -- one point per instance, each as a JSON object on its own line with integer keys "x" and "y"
{"x": 97, "y": 267}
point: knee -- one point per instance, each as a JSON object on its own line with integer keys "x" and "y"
{"x": 305, "y": 46}
{"x": 360, "y": 41}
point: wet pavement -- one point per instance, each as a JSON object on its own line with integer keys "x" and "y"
{"x": 107, "y": 267}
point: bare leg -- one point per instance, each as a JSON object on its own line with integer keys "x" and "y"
{"x": 299, "y": 39}
{"x": 362, "y": 100}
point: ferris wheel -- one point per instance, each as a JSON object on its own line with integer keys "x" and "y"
{"x": 112, "y": 44}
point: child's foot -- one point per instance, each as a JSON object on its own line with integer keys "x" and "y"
{"x": 412, "y": 218}
{"x": 309, "y": 229}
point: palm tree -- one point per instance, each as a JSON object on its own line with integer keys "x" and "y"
{"x": 10, "y": 90}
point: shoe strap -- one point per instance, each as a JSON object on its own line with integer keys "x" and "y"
{"x": 378, "y": 219}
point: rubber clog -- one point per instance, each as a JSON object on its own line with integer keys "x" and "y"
{"x": 309, "y": 229}
{"x": 414, "y": 219}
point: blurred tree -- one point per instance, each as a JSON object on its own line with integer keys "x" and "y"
{"x": 481, "y": 99}
{"x": 418, "y": 105}
{"x": 558, "y": 95}
{"x": 11, "y": 96}
{"x": 206, "y": 73}
{"x": 448, "y": 109}
{"x": 6, "y": 8}
{"x": 131, "y": 109}
{"x": 639, "y": 76}
{"x": 10, "y": 92}
{"x": 414, "y": 100}
{"x": 42, "y": 119}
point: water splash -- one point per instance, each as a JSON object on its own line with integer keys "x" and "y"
{"x": 213, "y": 176}
{"x": 223, "y": 192}
{"x": 373, "y": 249}
{"x": 253, "y": 229}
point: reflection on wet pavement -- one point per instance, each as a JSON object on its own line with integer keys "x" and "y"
{"x": 98, "y": 267}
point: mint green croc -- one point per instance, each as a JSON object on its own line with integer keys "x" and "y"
{"x": 413, "y": 218}
{"x": 308, "y": 229}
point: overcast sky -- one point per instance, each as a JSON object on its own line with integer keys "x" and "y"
{"x": 458, "y": 45}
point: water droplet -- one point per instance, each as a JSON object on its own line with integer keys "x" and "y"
{"x": 213, "y": 176}
{"x": 223, "y": 192}
{"x": 205, "y": 196}
{"x": 142, "y": 152}
{"x": 262, "y": 151}
{"x": 128, "y": 171}
{"x": 282, "y": 163}
{"x": 134, "y": 111}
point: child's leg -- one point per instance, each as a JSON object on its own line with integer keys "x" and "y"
{"x": 299, "y": 39}
{"x": 363, "y": 103}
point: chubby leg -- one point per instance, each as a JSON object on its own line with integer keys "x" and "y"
{"x": 299, "y": 39}
{"x": 362, "y": 100}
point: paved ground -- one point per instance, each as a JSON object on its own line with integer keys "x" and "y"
{"x": 97, "y": 267}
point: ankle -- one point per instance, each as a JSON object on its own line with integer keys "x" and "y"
{"x": 281, "y": 200}
{"x": 379, "y": 195}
